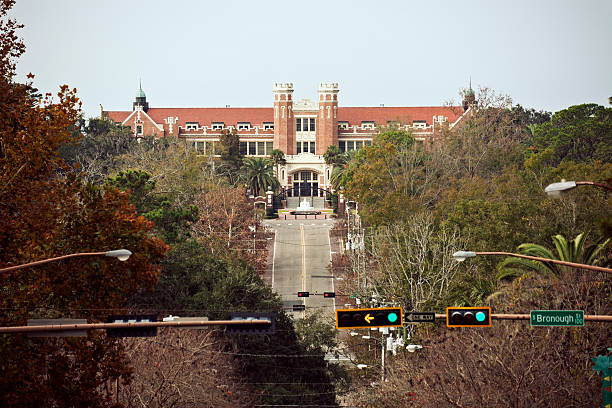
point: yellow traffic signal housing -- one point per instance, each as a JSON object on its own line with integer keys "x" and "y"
{"x": 468, "y": 316}
{"x": 374, "y": 317}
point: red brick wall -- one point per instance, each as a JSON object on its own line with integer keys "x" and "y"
{"x": 284, "y": 124}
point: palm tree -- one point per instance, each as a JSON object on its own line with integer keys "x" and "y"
{"x": 341, "y": 166}
{"x": 569, "y": 251}
{"x": 278, "y": 157}
{"x": 259, "y": 174}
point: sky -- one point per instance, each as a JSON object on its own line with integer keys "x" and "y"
{"x": 546, "y": 55}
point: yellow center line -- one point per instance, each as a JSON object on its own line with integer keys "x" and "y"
{"x": 303, "y": 263}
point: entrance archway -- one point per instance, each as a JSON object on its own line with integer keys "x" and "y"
{"x": 305, "y": 184}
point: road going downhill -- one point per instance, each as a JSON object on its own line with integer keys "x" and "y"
{"x": 300, "y": 260}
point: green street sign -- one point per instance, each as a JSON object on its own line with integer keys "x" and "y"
{"x": 557, "y": 318}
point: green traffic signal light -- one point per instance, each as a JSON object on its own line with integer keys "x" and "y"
{"x": 375, "y": 317}
{"x": 468, "y": 316}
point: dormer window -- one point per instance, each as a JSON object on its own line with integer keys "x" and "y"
{"x": 268, "y": 126}
{"x": 217, "y": 125}
{"x": 419, "y": 124}
{"x": 243, "y": 126}
{"x": 343, "y": 125}
{"x": 192, "y": 125}
{"x": 367, "y": 124}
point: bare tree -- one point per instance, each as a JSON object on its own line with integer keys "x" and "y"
{"x": 414, "y": 262}
{"x": 182, "y": 368}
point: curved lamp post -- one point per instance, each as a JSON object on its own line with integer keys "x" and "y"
{"x": 554, "y": 190}
{"x": 120, "y": 254}
{"x": 463, "y": 255}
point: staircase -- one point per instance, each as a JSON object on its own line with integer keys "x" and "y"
{"x": 317, "y": 202}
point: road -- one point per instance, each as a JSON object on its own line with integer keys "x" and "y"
{"x": 300, "y": 260}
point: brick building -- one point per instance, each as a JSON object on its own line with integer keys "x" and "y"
{"x": 302, "y": 129}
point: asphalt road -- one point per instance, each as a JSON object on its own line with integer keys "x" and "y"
{"x": 300, "y": 260}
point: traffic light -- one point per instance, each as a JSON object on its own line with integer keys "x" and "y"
{"x": 329, "y": 294}
{"x": 132, "y": 331}
{"x": 249, "y": 328}
{"x": 468, "y": 316}
{"x": 303, "y": 294}
{"x": 375, "y": 317}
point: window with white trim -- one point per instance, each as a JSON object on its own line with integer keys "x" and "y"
{"x": 139, "y": 129}
{"x": 342, "y": 125}
{"x": 366, "y": 124}
{"x": 305, "y": 147}
{"x": 192, "y": 125}
{"x": 268, "y": 126}
{"x": 419, "y": 124}
{"x": 243, "y": 126}
{"x": 217, "y": 125}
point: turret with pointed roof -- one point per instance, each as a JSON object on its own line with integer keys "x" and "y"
{"x": 470, "y": 98}
{"x": 141, "y": 100}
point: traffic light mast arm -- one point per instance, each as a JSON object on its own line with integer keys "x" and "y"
{"x": 92, "y": 326}
{"x": 555, "y": 261}
{"x": 502, "y": 316}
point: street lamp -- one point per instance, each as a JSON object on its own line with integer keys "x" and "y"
{"x": 120, "y": 254}
{"x": 463, "y": 255}
{"x": 554, "y": 190}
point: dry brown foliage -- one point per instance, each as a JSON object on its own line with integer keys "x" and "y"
{"x": 182, "y": 368}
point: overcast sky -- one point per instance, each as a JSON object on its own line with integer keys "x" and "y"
{"x": 544, "y": 54}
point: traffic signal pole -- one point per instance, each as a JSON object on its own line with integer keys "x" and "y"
{"x": 104, "y": 326}
{"x": 514, "y": 316}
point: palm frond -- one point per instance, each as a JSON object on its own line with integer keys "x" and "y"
{"x": 535, "y": 250}
{"x": 591, "y": 254}
{"x": 542, "y": 268}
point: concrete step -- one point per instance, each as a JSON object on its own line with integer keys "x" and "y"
{"x": 317, "y": 202}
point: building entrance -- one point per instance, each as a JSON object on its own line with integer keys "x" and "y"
{"x": 305, "y": 184}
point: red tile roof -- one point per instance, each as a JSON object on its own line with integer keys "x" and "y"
{"x": 256, "y": 116}
{"x": 204, "y": 116}
{"x": 406, "y": 115}
{"x": 117, "y": 116}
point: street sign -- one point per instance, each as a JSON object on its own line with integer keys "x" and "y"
{"x": 420, "y": 317}
{"x": 264, "y": 328}
{"x": 564, "y": 318}
{"x": 132, "y": 331}
{"x": 374, "y": 317}
{"x": 187, "y": 319}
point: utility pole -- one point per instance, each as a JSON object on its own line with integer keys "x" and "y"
{"x": 382, "y": 357}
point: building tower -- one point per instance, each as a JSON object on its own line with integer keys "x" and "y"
{"x": 284, "y": 122}
{"x": 141, "y": 100}
{"x": 469, "y": 99}
{"x": 327, "y": 118}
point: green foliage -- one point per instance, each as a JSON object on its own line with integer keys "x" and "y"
{"x": 332, "y": 155}
{"x": 228, "y": 148}
{"x": 568, "y": 251}
{"x": 171, "y": 221}
{"x": 95, "y": 153}
{"x": 277, "y": 156}
{"x": 580, "y": 133}
{"x": 258, "y": 174}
